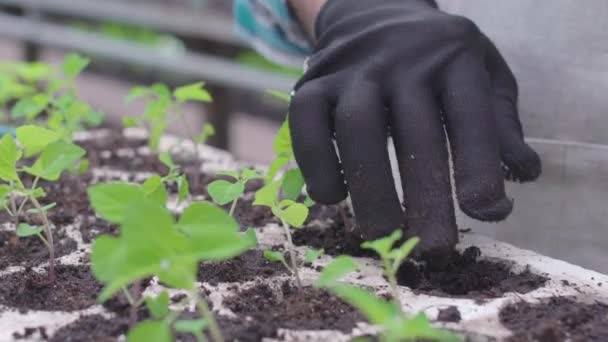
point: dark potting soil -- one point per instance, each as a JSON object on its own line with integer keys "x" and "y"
{"x": 31, "y": 251}
{"x": 28, "y": 333}
{"x": 246, "y": 267}
{"x": 556, "y": 319}
{"x": 449, "y": 314}
{"x": 92, "y": 328}
{"x": 97, "y": 328}
{"x": 233, "y": 329}
{"x": 468, "y": 276}
{"x": 75, "y": 289}
{"x": 292, "y": 308}
{"x": 248, "y": 215}
{"x": 335, "y": 239}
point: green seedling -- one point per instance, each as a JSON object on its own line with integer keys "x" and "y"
{"x": 174, "y": 175}
{"x": 37, "y": 88}
{"x": 392, "y": 257}
{"x": 163, "y": 106}
{"x": 164, "y": 321}
{"x": 52, "y": 156}
{"x": 152, "y": 243}
{"x": 229, "y": 191}
{"x": 395, "y": 325}
{"x": 289, "y": 212}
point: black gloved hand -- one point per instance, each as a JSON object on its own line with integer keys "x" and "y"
{"x": 405, "y": 68}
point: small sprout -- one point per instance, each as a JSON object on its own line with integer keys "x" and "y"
{"x": 223, "y": 192}
{"x": 206, "y": 132}
{"x": 275, "y": 256}
{"x": 52, "y": 155}
{"x": 392, "y": 258}
{"x": 394, "y": 323}
{"x": 313, "y": 255}
{"x": 192, "y": 326}
{"x": 159, "y": 306}
{"x": 74, "y": 64}
{"x": 163, "y": 106}
{"x": 154, "y": 244}
{"x": 289, "y": 213}
{"x": 38, "y": 88}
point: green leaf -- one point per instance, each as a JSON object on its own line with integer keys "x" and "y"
{"x": 165, "y": 158}
{"x": 34, "y": 138}
{"x": 282, "y": 141}
{"x": 308, "y": 201}
{"x": 192, "y": 92}
{"x": 295, "y": 215}
{"x": 279, "y": 95}
{"x": 25, "y": 230}
{"x": 267, "y": 195}
{"x": 155, "y": 190}
{"x": 275, "y": 167}
{"x": 44, "y": 209}
{"x": 312, "y": 255}
{"x": 83, "y": 166}
{"x": 376, "y": 310}
{"x": 274, "y": 256}
{"x": 33, "y": 72}
{"x": 337, "y": 269}
{"x": 150, "y": 331}
{"x": 157, "y": 132}
{"x": 191, "y": 326}
{"x": 183, "y": 188}
{"x": 128, "y": 121}
{"x": 9, "y": 154}
{"x": 214, "y": 234}
{"x": 137, "y": 92}
{"x": 249, "y": 174}
{"x": 207, "y": 131}
{"x": 111, "y": 200}
{"x": 293, "y": 183}
{"x": 54, "y": 159}
{"x": 30, "y": 107}
{"x": 38, "y": 193}
{"x": 224, "y": 192}
{"x": 417, "y": 328}
{"x": 150, "y": 245}
{"x": 159, "y": 306}
{"x": 400, "y": 254}
{"x": 106, "y": 253}
{"x": 4, "y": 191}
{"x": 74, "y": 64}
{"x": 384, "y": 245}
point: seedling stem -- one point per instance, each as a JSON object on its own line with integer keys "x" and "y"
{"x": 206, "y": 313}
{"x": 292, "y": 254}
{"x": 233, "y": 207}
{"x": 49, "y": 236}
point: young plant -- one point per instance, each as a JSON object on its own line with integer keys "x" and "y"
{"x": 224, "y": 191}
{"x": 40, "y": 88}
{"x": 392, "y": 257}
{"x": 163, "y": 321}
{"x": 53, "y": 155}
{"x": 396, "y": 326}
{"x": 152, "y": 243}
{"x": 291, "y": 214}
{"x": 163, "y": 106}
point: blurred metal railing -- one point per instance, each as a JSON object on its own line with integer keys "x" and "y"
{"x": 34, "y": 30}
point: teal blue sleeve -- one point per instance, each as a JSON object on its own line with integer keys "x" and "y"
{"x": 271, "y": 28}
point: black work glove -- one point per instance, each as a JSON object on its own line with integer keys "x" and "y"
{"x": 404, "y": 68}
